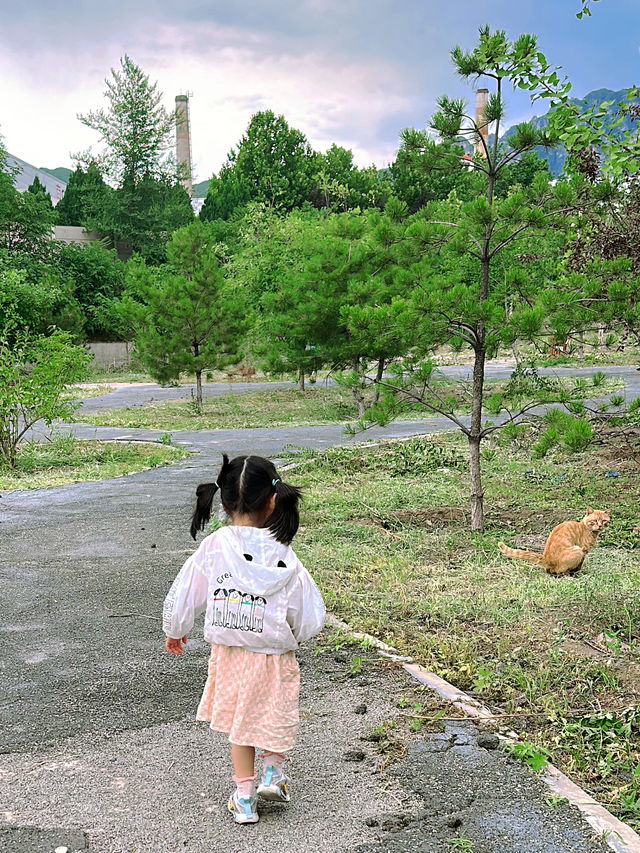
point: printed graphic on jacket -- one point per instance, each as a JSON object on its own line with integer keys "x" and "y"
{"x": 235, "y": 609}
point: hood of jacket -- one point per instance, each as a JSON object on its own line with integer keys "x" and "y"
{"x": 260, "y": 564}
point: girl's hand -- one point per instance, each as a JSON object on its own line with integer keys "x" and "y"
{"x": 174, "y": 647}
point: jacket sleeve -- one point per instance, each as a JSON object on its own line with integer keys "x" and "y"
{"x": 305, "y": 608}
{"x": 186, "y": 599}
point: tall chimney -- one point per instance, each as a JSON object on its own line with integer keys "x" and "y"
{"x": 183, "y": 142}
{"x": 481, "y": 121}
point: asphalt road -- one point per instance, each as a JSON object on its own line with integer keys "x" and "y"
{"x": 99, "y": 749}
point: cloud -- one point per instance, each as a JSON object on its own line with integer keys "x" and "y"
{"x": 353, "y": 72}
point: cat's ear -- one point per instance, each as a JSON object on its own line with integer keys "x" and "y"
{"x": 607, "y": 512}
{"x": 589, "y": 511}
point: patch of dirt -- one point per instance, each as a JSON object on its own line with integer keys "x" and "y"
{"x": 523, "y": 519}
{"x": 583, "y": 650}
{"x": 619, "y": 446}
{"x": 628, "y": 675}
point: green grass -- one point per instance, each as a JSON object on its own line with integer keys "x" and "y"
{"x": 275, "y": 407}
{"x": 135, "y": 373}
{"x": 82, "y": 392}
{"x": 385, "y": 532}
{"x": 67, "y": 460}
{"x": 272, "y": 408}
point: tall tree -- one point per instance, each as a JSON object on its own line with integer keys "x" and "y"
{"x": 135, "y": 127}
{"x": 339, "y": 185}
{"x": 26, "y": 219}
{"x": 227, "y": 195}
{"x": 148, "y": 203}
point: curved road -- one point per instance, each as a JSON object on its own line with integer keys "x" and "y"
{"x": 96, "y": 720}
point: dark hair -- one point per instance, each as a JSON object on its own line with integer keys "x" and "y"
{"x": 246, "y": 484}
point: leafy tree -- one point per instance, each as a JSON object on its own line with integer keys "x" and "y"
{"x": 96, "y": 277}
{"x": 416, "y": 186}
{"x": 339, "y": 185}
{"x": 148, "y": 202}
{"x": 227, "y": 195}
{"x": 85, "y": 198}
{"x": 35, "y": 370}
{"x": 38, "y": 189}
{"x": 26, "y": 219}
{"x": 461, "y": 288}
{"x": 38, "y": 303}
{"x": 305, "y": 274}
{"x": 272, "y": 164}
{"x": 270, "y": 249}
{"x": 135, "y": 127}
{"x": 143, "y": 216}
{"x": 184, "y": 316}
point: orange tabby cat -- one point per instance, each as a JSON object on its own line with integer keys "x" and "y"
{"x": 567, "y": 545}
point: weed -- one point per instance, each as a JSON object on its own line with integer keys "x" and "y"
{"x": 553, "y": 801}
{"x": 356, "y": 666}
{"x": 461, "y": 844}
{"x": 536, "y": 758}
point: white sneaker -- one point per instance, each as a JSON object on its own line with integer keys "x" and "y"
{"x": 244, "y": 809}
{"x": 274, "y": 785}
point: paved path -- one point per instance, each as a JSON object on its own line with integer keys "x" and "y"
{"x": 99, "y": 746}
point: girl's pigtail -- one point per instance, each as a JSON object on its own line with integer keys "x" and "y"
{"x": 204, "y": 498}
{"x": 202, "y": 512}
{"x": 285, "y": 518}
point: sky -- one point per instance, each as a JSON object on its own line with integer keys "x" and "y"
{"x": 353, "y": 72}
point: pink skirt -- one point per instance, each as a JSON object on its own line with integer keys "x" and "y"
{"x": 252, "y": 697}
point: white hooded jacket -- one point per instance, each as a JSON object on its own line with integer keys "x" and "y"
{"x": 255, "y": 591}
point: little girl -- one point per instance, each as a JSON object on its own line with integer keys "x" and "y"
{"x": 260, "y": 603}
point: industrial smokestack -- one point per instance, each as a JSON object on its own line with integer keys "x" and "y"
{"x": 482, "y": 96}
{"x": 183, "y": 142}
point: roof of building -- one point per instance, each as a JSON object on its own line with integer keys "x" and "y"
{"x": 25, "y": 173}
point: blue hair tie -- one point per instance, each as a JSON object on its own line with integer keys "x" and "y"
{"x": 273, "y": 482}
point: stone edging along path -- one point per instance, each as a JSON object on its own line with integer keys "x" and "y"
{"x": 620, "y": 837}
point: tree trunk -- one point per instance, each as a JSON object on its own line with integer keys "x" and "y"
{"x": 199, "y": 389}
{"x": 477, "y": 495}
{"x": 600, "y": 336}
{"x": 300, "y": 379}
{"x": 356, "y": 390}
{"x": 379, "y": 373}
{"x": 475, "y": 433}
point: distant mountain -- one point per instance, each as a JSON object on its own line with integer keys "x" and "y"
{"x": 200, "y": 190}
{"x": 61, "y": 173}
{"x": 557, "y": 156}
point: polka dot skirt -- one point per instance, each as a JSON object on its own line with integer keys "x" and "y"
{"x": 252, "y": 697}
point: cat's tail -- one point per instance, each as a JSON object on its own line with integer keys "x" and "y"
{"x": 518, "y": 554}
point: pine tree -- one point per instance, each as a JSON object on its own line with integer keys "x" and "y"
{"x": 184, "y": 316}
{"x": 38, "y": 189}
{"x": 85, "y": 198}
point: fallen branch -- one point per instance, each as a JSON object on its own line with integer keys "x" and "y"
{"x": 132, "y": 616}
